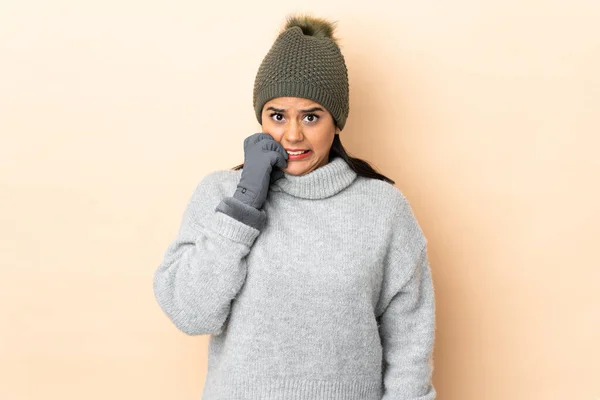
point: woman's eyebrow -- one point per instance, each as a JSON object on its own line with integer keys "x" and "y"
{"x": 312, "y": 110}
{"x": 282, "y": 110}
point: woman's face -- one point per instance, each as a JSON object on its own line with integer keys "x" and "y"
{"x": 300, "y": 124}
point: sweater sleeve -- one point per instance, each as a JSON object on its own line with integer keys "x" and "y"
{"x": 242, "y": 212}
{"x": 204, "y": 267}
{"x": 406, "y": 313}
{"x": 407, "y": 329}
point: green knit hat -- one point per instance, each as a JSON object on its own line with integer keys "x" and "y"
{"x": 305, "y": 61}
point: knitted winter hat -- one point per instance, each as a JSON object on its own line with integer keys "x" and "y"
{"x": 305, "y": 61}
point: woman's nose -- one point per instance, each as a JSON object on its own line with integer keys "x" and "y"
{"x": 293, "y": 132}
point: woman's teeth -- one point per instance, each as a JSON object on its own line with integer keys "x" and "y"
{"x": 295, "y": 153}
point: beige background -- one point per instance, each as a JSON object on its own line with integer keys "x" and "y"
{"x": 485, "y": 113}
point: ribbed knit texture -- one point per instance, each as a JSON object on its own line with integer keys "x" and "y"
{"x": 311, "y": 67}
{"x": 332, "y": 299}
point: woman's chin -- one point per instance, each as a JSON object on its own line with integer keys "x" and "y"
{"x": 295, "y": 170}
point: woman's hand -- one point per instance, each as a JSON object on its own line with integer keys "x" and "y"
{"x": 262, "y": 154}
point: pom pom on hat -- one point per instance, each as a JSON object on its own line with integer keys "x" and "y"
{"x": 312, "y": 26}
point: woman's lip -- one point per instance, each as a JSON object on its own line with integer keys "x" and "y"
{"x": 299, "y": 156}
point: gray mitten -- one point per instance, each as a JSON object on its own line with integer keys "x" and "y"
{"x": 262, "y": 154}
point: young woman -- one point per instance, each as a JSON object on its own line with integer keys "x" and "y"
{"x": 307, "y": 268}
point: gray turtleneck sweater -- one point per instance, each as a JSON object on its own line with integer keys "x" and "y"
{"x": 324, "y": 293}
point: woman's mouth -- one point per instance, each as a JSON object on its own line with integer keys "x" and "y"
{"x": 298, "y": 155}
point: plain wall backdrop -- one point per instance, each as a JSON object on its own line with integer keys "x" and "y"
{"x": 485, "y": 113}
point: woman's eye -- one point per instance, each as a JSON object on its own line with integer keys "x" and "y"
{"x": 277, "y": 116}
{"x": 311, "y": 117}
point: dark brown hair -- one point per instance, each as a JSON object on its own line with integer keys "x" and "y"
{"x": 361, "y": 167}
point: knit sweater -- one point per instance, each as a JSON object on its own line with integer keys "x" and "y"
{"x": 329, "y": 297}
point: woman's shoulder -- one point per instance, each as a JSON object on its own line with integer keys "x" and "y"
{"x": 217, "y": 184}
{"x": 381, "y": 193}
{"x": 221, "y": 178}
{"x": 391, "y": 204}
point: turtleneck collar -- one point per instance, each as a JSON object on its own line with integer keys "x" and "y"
{"x": 320, "y": 183}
